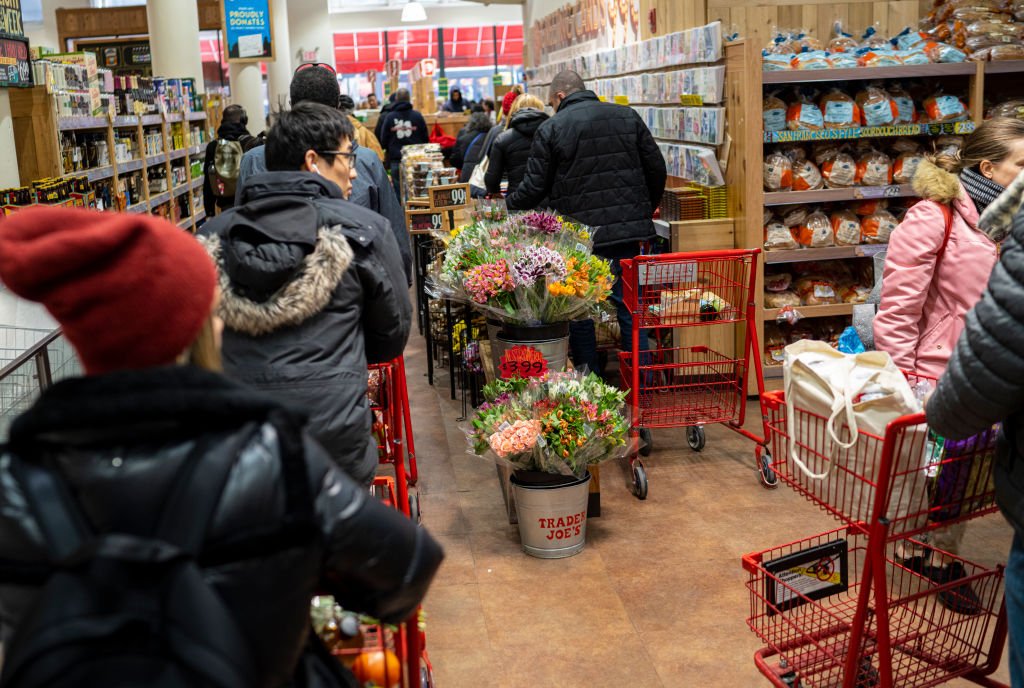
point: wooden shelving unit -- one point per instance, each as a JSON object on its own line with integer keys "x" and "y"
{"x": 37, "y": 135}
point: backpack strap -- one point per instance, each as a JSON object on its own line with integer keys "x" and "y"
{"x": 947, "y": 212}
{"x": 64, "y": 528}
{"x": 470, "y": 146}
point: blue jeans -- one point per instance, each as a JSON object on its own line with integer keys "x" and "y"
{"x": 582, "y": 336}
{"x": 1015, "y": 609}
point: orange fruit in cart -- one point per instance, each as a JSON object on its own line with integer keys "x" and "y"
{"x": 379, "y": 668}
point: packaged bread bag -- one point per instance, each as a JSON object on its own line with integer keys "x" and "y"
{"x": 817, "y": 290}
{"x": 839, "y": 171}
{"x": 804, "y": 115}
{"x": 778, "y": 237}
{"x": 806, "y": 176}
{"x": 838, "y": 110}
{"x": 845, "y": 228}
{"x": 877, "y": 108}
{"x": 816, "y": 231}
{"x": 874, "y": 169}
{"x": 905, "y": 167}
{"x": 877, "y": 227}
{"x": 774, "y": 113}
{"x": 778, "y": 172}
{"x": 906, "y": 113}
{"x": 940, "y": 107}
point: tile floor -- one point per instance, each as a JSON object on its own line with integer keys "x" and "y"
{"x": 658, "y": 596}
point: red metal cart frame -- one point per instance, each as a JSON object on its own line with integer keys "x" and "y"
{"x": 393, "y": 429}
{"x": 692, "y": 386}
{"x": 894, "y": 625}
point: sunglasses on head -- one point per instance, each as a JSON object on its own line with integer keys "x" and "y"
{"x": 322, "y": 65}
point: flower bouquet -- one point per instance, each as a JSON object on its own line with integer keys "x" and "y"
{"x": 527, "y": 269}
{"x": 559, "y": 424}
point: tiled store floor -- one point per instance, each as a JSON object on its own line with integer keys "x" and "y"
{"x": 658, "y": 596}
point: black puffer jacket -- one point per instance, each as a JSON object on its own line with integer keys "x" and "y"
{"x": 597, "y": 163}
{"x": 312, "y": 289}
{"x": 511, "y": 150}
{"x": 984, "y": 382}
{"x": 368, "y": 555}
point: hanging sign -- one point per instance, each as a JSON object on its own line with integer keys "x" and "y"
{"x": 522, "y": 361}
{"x": 442, "y": 87}
{"x": 15, "y": 63}
{"x": 248, "y": 36}
{"x": 428, "y": 66}
{"x": 10, "y": 19}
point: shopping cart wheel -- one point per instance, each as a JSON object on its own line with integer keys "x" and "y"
{"x": 645, "y": 443}
{"x": 639, "y": 481}
{"x": 764, "y": 468}
{"x": 426, "y": 679}
{"x": 695, "y": 438}
{"x": 414, "y": 506}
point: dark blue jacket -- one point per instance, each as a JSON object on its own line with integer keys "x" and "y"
{"x": 402, "y": 127}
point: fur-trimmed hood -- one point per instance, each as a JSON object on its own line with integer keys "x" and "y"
{"x": 933, "y": 183}
{"x": 302, "y": 297}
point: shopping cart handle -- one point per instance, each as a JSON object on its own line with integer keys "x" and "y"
{"x": 775, "y": 399}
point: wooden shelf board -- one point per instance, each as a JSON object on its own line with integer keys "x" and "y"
{"x": 196, "y": 116}
{"x": 150, "y": 120}
{"x": 195, "y": 150}
{"x": 153, "y": 160}
{"x": 141, "y": 207}
{"x": 179, "y": 190}
{"x": 937, "y": 129}
{"x": 73, "y": 123}
{"x": 178, "y": 153}
{"x": 832, "y": 253}
{"x": 200, "y": 214}
{"x": 1004, "y": 67}
{"x": 96, "y": 173}
{"x": 797, "y": 76}
{"x": 854, "y": 193}
{"x": 197, "y": 183}
{"x": 814, "y": 311}
{"x": 159, "y": 199}
{"x": 124, "y": 121}
{"x": 130, "y": 165}
{"x": 185, "y": 223}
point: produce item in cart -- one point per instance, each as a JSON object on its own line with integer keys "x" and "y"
{"x": 679, "y": 306}
{"x": 906, "y": 112}
{"x": 774, "y": 113}
{"x": 377, "y": 667}
{"x": 839, "y": 171}
{"x": 941, "y": 107}
{"x": 778, "y": 172}
{"x": 816, "y": 290}
{"x": 839, "y": 111}
{"x": 876, "y": 227}
{"x": 778, "y": 237}
{"x": 905, "y": 167}
{"x": 781, "y": 299}
{"x": 877, "y": 108}
{"x": 999, "y": 52}
{"x": 874, "y": 169}
{"x": 804, "y": 115}
{"x": 845, "y": 228}
{"x": 1011, "y": 108}
{"x": 795, "y": 215}
{"x": 816, "y": 231}
{"x": 777, "y": 281}
{"x": 806, "y": 176}
{"x": 774, "y": 343}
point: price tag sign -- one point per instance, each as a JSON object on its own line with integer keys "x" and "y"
{"x": 449, "y": 197}
{"x": 522, "y": 361}
{"x": 871, "y": 192}
{"x": 621, "y": 100}
{"x": 426, "y": 221}
{"x": 691, "y": 99}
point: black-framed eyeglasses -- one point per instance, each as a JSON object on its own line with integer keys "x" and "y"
{"x": 350, "y": 157}
{"x": 322, "y": 65}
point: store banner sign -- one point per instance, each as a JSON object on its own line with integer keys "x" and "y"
{"x": 15, "y": 63}
{"x": 248, "y": 36}
{"x": 10, "y": 18}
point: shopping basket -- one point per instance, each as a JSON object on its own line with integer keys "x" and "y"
{"x": 692, "y": 386}
{"x": 855, "y": 607}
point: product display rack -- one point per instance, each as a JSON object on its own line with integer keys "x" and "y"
{"x": 745, "y": 86}
{"x": 38, "y": 130}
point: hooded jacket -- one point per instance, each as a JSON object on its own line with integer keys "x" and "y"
{"x": 924, "y": 296}
{"x": 264, "y": 569}
{"x": 312, "y": 289}
{"x": 456, "y": 106}
{"x": 402, "y": 127}
{"x": 511, "y": 150}
{"x": 597, "y": 163}
{"x": 230, "y": 131}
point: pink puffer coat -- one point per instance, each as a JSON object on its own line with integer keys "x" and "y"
{"x": 925, "y": 299}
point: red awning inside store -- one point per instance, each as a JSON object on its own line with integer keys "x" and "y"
{"x": 466, "y": 46}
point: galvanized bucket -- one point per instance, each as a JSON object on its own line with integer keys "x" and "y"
{"x": 552, "y": 517}
{"x": 551, "y": 341}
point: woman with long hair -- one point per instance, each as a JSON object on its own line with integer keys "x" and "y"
{"x": 156, "y": 518}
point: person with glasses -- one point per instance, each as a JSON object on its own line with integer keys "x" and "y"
{"x": 316, "y": 82}
{"x": 312, "y": 286}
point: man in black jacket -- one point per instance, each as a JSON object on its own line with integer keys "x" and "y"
{"x": 312, "y": 287}
{"x": 598, "y": 164}
{"x": 402, "y": 127}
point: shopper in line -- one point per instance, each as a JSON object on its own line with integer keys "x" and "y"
{"x": 154, "y": 448}
{"x": 402, "y": 127}
{"x": 938, "y": 263}
{"x": 455, "y": 102}
{"x": 511, "y": 150}
{"x": 469, "y": 145}
{"x": 378, "y": 128}
{"x": 222, "y": 165}
{"x": 364, "y": 137}
{"x": 984, "y": 385}
{"x": 312, "y": 286}
{"x": 371, "y": 188}
{"x": 489, "y": 109}
{"x": 598, "y": 164}
{"x": 371, "y": 102}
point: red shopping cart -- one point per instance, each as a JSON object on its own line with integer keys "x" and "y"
{"x": 692, "y": 386}
{"x": 389, "y": 402}
{"x": 856, "y": 607}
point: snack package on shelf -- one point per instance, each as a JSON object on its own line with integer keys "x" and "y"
{"x": 778, "y": 237}
{"x": 804, "y": 115}
{"x": 943, "y": 52}
{"x": 816, "y": 290}
{"x": 774, "y": 344}
{"x": 778, "y": 172}
{"x": 839, "y": 170}
{"x": 905, "y": 167}
{"x": 846, "y": 228}
{"x": 874, "y": 169}
{"x": 816, "y": 231}
{"x": 876, "y": 227}
{"x": 774, "y": 113}
{"x": 948, "y": 145}
{"x": 806, "y": 176}
{"x": 877, "y": 108}
{"x": 775, "y": 62}
{"x": 852, "y": 292}
{"x": 867, "y": 206}
{"x": 914, "y": 56}
{"x": 839, "y": 111}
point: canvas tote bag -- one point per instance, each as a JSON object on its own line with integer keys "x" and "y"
{"x": 851, "y": 393}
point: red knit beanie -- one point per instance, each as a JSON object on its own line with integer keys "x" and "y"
{"x": 506, "y": 102}
{"x": 130, "y": 291}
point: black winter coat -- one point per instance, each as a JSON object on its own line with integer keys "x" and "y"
{"x": 984, "y": 382}
{"x": 402, "y": 127}
{"x": 511, "y": 150}
{"x": 303, "y": 327}
{"x": 368, "y": 555}
{"x": 469, "y": 149}
{"x": 598, "y": 164}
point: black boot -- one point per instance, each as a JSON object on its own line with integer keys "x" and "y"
{"x": 961, "y": 599}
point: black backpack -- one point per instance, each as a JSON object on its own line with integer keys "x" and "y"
{"x": 121, "y": 610}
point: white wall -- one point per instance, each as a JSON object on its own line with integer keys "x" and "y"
{"x": 45, "y": 34}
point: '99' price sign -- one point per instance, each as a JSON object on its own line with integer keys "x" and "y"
{"x": 426, "y": 221}
{"x": 445, "y": 197}
{"x": 522, "y": 361}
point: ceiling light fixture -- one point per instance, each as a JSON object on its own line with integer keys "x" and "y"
{"x": 413, "y": 12}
